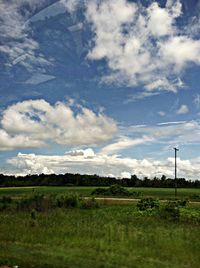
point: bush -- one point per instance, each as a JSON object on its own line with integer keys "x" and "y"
{"x": 195, "y": 197}
{"x": 171, "y": 210}
{"x": 89, "y": 203}
{"x": 68, "y": 201}
{"x": 99, "y": 191}
{"x": 148, "y": 203}
{"x": 37, "y": 202}
{"x": 183, "y": 203}
{"x": 114, "y": 190}
{"x": 117, "y": 189}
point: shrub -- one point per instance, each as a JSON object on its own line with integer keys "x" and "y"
{"x": 171, "y": 210}
{"x": 183, "y": 203}
{"x": 114, "y": 190}
{"x": 36, "y": 201}
{"x": 117, "y": 189}
{"x": 68, "y": 201}
{"x": 99, "y": 191}
{"x": 148, "y": 203}
{"x": 89, "y": 203}
{"x": 195, "y": 197}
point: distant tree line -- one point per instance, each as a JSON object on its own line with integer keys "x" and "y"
{"x": 69, "y": 179}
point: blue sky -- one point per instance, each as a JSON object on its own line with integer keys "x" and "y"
{"x": 107, "y": 87}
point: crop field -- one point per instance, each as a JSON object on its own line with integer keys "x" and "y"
{"x": 161, "y": 193}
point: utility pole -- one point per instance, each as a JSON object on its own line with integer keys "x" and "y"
{"x": 175, "y": 184}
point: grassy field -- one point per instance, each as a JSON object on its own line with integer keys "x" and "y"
{"x": 110, "y": 236}
{"x": 162, "y": 193}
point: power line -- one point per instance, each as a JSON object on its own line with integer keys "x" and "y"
{"x": 175, "y": 179}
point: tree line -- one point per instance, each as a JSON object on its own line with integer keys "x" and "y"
{"x": 69, "y": 179}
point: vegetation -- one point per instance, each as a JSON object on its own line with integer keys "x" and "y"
{"x": 148, "y": 203}
{"x": 110, "y": 236}
{"x": 133, "y": 192}
{"x": 67, "y": 230}
{"x": 93, "y": 180}
{"x": 115, "y": 190}
{"x": 40, "y": 203}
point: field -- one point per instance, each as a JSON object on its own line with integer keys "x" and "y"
{"x": 161, "y": 193}
{"x": 111, "y": 236}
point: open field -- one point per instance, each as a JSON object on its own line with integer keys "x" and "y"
{"x": 61, "y": 231}
{"x": 110, "y": 236}
{"x": 161, "y": 193}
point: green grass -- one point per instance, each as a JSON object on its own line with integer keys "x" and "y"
{"x": 166, "y": 193}
{"x": 17, "y": 191}
{"x": 162, "y": 193}
{"x": 111, "y": 236}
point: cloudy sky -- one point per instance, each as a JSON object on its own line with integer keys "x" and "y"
{"x": 100, "y": 86}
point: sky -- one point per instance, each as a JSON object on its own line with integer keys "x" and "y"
{"x": 105, "y": 87}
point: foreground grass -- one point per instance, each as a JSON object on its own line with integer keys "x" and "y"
{"x": 161, "y": 193}
{"x": 111, "y": 236}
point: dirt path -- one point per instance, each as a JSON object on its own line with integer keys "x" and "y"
{"x": 130, "y": 200}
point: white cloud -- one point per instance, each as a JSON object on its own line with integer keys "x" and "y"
{"x": 140, "y": 96}
{"x": 88, "y": 153}
{"x": 183, "y": 109}
{"x": 39, "y": 78}
{"x": 180, "y": 50}
{"x": 52, "y": 10}
{"x": 197, "y": 101}
{"x": 70, "y": 5}
{"x": 170, "y": 133}
{"x": 16, "y": 40}
{"x": 124, "y": 143}
{"x": 102, "y": 165}
{"x": 125, "y": 174}
{"x": 141, "y": 45}
{"x": 164, "y": 83}
{"x": 160, "y": 20}
{"x": 161, "y": 113}
{"x": 35, "y": 123}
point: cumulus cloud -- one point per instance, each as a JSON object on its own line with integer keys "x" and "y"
{"x": 142, "y": 46}
{"x": 102, "y": 165}
{"x": 183, "y": 109}
{"x": 88, "y": 153}
{"x": 35, "y": 123}
{"x": 180, "y": 50}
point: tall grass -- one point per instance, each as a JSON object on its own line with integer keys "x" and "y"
{"x": 110, "y": 236}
